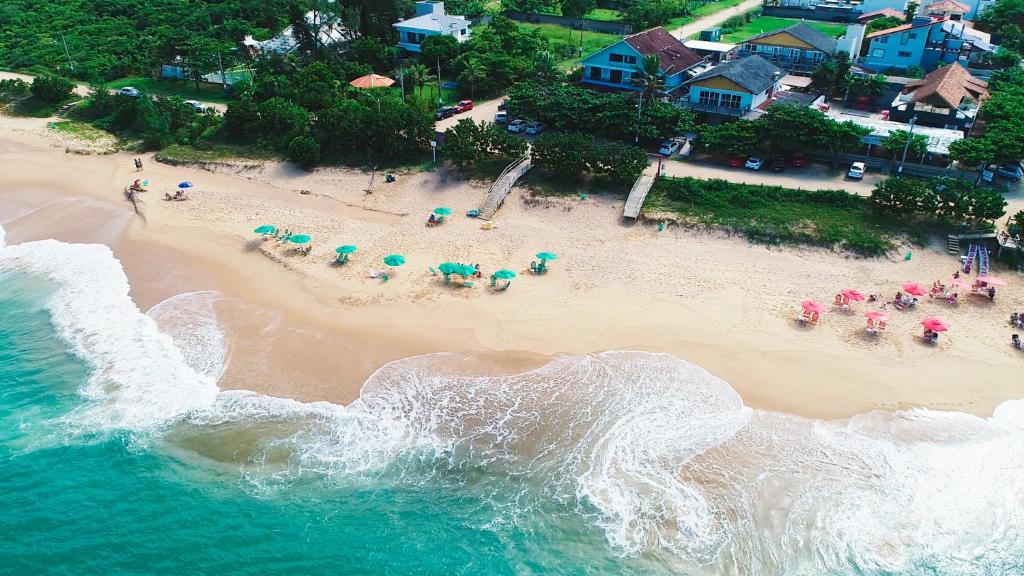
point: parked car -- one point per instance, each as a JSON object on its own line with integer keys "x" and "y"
{"x": 444, "y": 112}
{"x": 670, "y": 147}
{"x": 734, "y": 161}
{"x": 754, "y": 163}
{"x": 778, "y": 164}
{"x": 129, "y": 92}
{"x": 1008, "y": 171}
{"x": 503, "y": 105}
{"x": 535, "y": 127}
{"x": 516, "y": 126}
{"x": 196, "y": 105}
{"x": 798, "y": 160}
{"x": 463, "y": 106}
{"x": 856, "y": 170}
{"x": 501, "y": 118}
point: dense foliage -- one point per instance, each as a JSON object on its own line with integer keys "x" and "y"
{"x": 773, "y": 215}
{"x": 1003, "y": 140}
{"x": 945, "y": 199}
{"x": 573, "y": 108}
{"x": 573, "y": 155}
{"x": 51, "y": 89}
{"x": 156, "y": 122}
{"x": 1005, "y": 19}
{"x": 468, "y": 143}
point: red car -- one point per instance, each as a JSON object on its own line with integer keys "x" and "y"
{"x": 798, "y": 160}
{"x": 463, "y": 106}
{"x": 735, "y": 161}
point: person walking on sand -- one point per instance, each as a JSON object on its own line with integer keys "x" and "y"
{"x": 138, "y": 164}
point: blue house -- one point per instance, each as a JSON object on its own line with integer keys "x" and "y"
{"x": 734, "y": 88}
{"x": 925, "y": 43}
{"x": 614, "y": 66}
{"x": 430, "y": 20}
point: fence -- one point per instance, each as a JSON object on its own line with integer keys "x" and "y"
{"x": 575, "y": 23}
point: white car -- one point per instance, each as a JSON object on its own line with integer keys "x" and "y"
{"x": 856, "y": 171}
{"x": 196, "y": 105}
{"x": 129, "y": 92}
{"x": 535, "y": 127}
{"x": 754, "y": 163}
{"x": 501, "y": 118}
{"x": 669, "y": 147}
{"x": 516, "y": 126}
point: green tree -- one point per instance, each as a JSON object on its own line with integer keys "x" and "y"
{"x": 281, "y": 120}
{"x": 832, "y": 77}
{"x": 649, "y": 78}
{"x": 418, "y": 75}
{"x": 439, "y": 49}
{"x": 871, "y": 86}
{"x": 897, "y": 140}
{"x": 563, "y": 153}
{"x": 545, "y": 67}
{"x": 842, "y": 137}
{"x": 304, "y": 151}
{"x": 51, "y": 89}
{"x": 301, "y": 31}
{"x": 577, "y": 8}
{"x": 374, "y": 53}
{"x": 884, "y": 23}
{"x": 786, "y": 128}
{"x": 971, "y": 152}
{"x": 740, "y": 138}
{"x": 472, "y": 72}
{"x": 910, "y": 11}
{"x": 622, "y": 163}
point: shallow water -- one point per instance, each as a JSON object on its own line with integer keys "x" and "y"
{"x": 121, "y": 456}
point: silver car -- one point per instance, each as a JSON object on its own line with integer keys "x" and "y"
{"x": 516, "y": 126}
{"x": 535, "y": 127}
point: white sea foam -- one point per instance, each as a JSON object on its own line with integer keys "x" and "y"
{"x": 190, "y": 319}
{"x": 658, "y": 453}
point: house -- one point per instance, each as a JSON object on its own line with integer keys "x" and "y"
{"x": 329, "y": 32}
{"x": 946, "y": 98}
{"x": 876, "y": 14}
{"x": 430, "y": 20}
{"x": 925, "y": 43}
{"x": 715, "y": 52}
{"x": 613, "y": 66}
{"x": 798, "y": 48}
{"x": 946, "y": 10}
{"x": 734, "y": 88}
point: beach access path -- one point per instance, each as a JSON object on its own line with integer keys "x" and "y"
{"x": 83, "y": 89}
{"x": 483, "y": 111}
{"x": 814, "y": 176}
{"x": 694, "y": 28}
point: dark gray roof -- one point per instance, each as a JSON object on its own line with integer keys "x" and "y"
{"x": 805, "y": 32}
{"x": 752, "y": 73}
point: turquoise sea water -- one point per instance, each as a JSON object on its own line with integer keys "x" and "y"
{"x": 119, "y": 455}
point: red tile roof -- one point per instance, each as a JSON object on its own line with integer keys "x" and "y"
{"x": 672, "y": 54}
{"x": 883, "y": 13}
{"x": 903, "y": 27}
{"x": 950, "y": 85}
{"x": 945, "y": 6}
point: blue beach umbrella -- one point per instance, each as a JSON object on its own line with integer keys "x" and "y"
{"x": 185, "y": 184}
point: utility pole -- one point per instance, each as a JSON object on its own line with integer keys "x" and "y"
{"x": 401, "y": 80}
{"x": 639, "y": 109}
{"x": 910, "y": 136}
{"x": 66, "y": 51}
{"x": 223, "y": 77}
{"x": 440, "y": 99}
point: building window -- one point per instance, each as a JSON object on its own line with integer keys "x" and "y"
{"x": 462, "y": 32}
{"x": 904, "y": 54}
{"x": 595, "y": 73}
{"x": 615, "y": 76}
{"x": 878, "y": 53}
{"x": 730, "y": 101}
{"x": 629, "y": 59}
{"x": 913, "y": 35}
{"x": 883, "y": 40}
{"x": 819, "y": 56}
{"x": 708, "y": 98}
{"x": 616, "y": 58}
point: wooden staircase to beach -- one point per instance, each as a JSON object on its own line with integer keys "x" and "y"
{"x": 637, "y": 195}
{"x": 953, "y": 244}
{"x": 503, "y": 185}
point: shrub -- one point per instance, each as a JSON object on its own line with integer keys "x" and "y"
{"x": 304, "y": 151}
{"x": 467, "y": 143}
{"x": 51, "y": 89}
{"x": 563, "y": 153}
{"x": 14, "y": 87}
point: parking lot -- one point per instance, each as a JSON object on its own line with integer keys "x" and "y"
{"x": 814, "y": 176}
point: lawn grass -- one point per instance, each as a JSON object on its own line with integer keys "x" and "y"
{"x": 775, "y": 215}
{"x": 211, "y": 152}
{"x": 82, "y": 130}
{"x": 564, "y": 41}
{"x": 606, "y": 15}
{"x": 185, "y": 89}
{"x": 770, "y": 23}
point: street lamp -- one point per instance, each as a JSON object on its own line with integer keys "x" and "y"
{"x": 910, "y": 136}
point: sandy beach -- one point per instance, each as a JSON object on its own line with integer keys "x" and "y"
{"x": 302, "y": 328}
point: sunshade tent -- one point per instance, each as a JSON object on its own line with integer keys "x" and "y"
{"x": 265, "y": 229}
{"x": 504, "y": 274}
{"x": 914, "y": 288}
{"x": 877, "y": 316}
{"x": 394, "y": 259}
{"x": 346, "y": 249}
{"x": 935, "y": 324}
{"x": 992, "y": 280}
{"x": 371, "y": 81}
{"x": 547, "y": 256}
{"x": 185, "y": 184}
{"x": 299, "y": 239}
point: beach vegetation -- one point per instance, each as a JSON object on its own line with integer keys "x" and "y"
{"x": 304, "y": 151}
{"x": 883, "y": 23}
{"x": 572, "y": 155}
{"x": 896, "y": 141}
{"x": 950, "y": 200}
{"x": 51, "y": 89}
{"x": 469, "y": 143}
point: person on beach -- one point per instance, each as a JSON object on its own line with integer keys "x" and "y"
{"x": 1015, "y": 340}
{"x": 138, "y": 164}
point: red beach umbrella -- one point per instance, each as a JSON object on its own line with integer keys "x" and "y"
{"x": 958, "y": 282}
{"x": 812, "y": 306}
{"x": 371, "y": 81}
{"x": 877, "y": 316}
{"x": 935, "y": 324}
{"x": 855, "y": 295}
{"x": 914, "y": 289}
{"x": 992, "y": 280}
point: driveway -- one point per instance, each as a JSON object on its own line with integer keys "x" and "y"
{"x": 482, "y": 110}
{"x": 812, "y": 177}
{"x": 694, "y": 28}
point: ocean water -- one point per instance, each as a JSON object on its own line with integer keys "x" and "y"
{"x": 120, "y": 455}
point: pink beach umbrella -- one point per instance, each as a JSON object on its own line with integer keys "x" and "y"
{"x": 958, "y": 282}
{"x": 851, "y": 294}
{"x": 992, "y": 280}
{"x": 935, "y": 324}
{"x": 812, "y": 306}
{"x": 877, "y": 316}
{"x": 914, "y": 289}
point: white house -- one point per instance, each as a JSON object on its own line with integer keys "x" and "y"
{"x": 430, "y": 20}
{"x": 328, "y": 31}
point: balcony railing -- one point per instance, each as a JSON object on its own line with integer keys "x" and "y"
{"x": 713, "y": 109}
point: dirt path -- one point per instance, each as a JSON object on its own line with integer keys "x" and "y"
{"x": 713, "y": 20}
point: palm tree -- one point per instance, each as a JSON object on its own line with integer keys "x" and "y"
{"x": 418, "y": 75}
{"x": 473, "y": 72}
{"x": 649, "y": 78}
{"x": 872, "y": 86}
{"x": 545, "y": 66}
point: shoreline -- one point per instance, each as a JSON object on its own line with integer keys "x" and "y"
{"x": 303, "y": 329}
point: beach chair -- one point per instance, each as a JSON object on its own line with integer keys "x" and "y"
{"x": 432, "y": 271}
{"x": 880, "y": 327}
{"x": 384, "y": 277}
{"x": 870, "y": 328}
{"x": 814, "y": 319}
{"x": 467, "y": 284}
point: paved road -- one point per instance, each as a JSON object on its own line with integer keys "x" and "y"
{"x": 482, "y": 110}
{"x": 83, "y": 89}
{"x": 812, "y": 177}
{"x": 693, "y": 28}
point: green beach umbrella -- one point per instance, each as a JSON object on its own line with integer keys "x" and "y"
{"x": 504, "y": 274}
{"x": 394, "y": 259}
{"x": 547, "y": 255}
{"x": 299, "y": 239}
{"x": 443, "y": 211}
{"x": 265, "y": 229}
{"x": 346, "y": 249}
{"x": 447, "y": 268}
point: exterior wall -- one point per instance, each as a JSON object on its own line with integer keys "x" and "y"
{"x": 410, "y": 38}
{"x": 783, "y": 39}
{"x": 613, "y": 66}
{"x": 852, "y": 41}
{"x": 898, "y": 50}
{"x": 719, "y": 83}
{"x": 790, "y": 58}
{"x": 700, "y": 93}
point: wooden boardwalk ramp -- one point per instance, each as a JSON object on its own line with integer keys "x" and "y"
{"x": 503, "y": 185}
{"x": 637, "y": 195}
